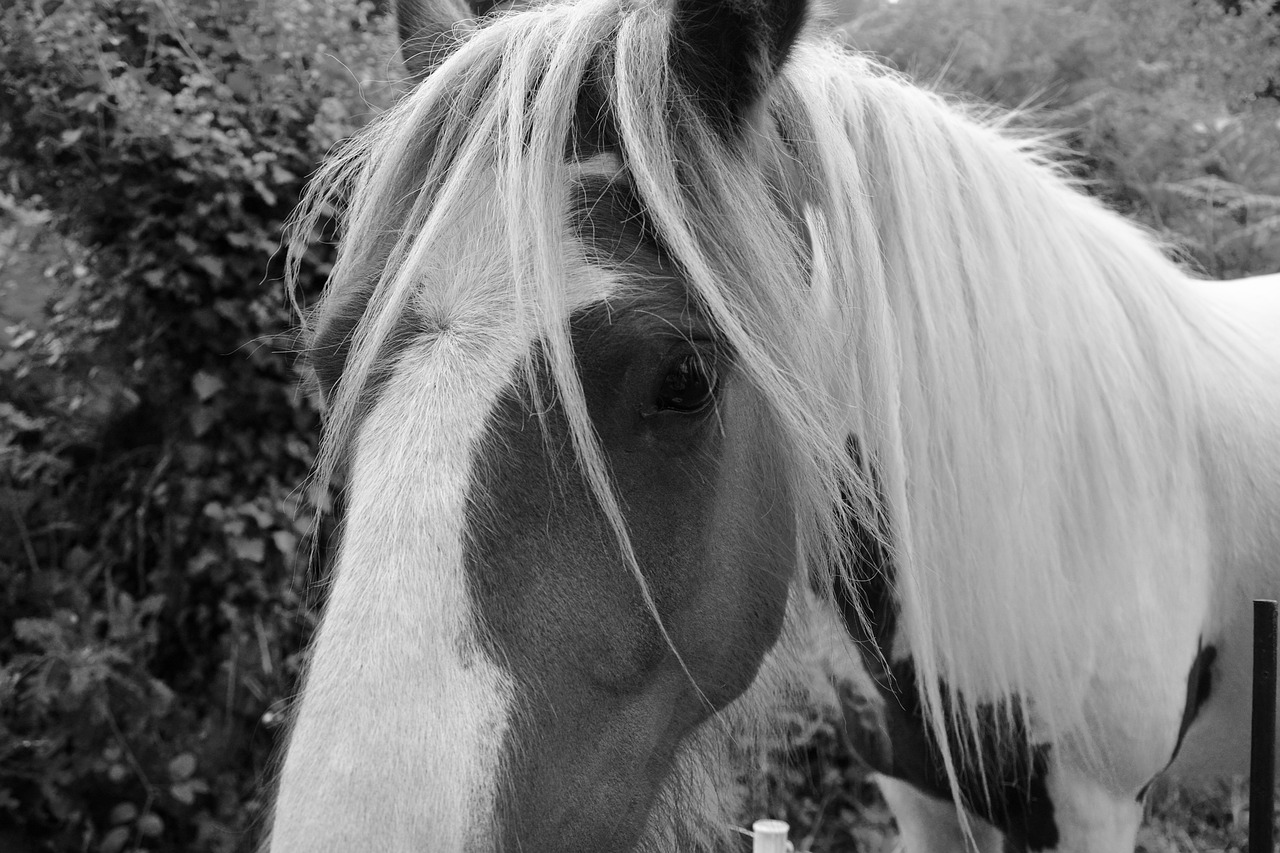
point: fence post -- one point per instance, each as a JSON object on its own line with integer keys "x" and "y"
{"x": 1262, "y": 765}
{"x": 770, "y": 836}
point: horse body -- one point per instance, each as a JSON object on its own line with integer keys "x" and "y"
{"x": 458, "y": 510}
{"x": 1202, "y": 609}
{"x": 620, "y": 289}
{"x": 1242, "y": 430}
{"x": 1183, "y": 713}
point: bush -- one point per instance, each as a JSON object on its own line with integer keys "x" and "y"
{"x": 154, "y": 435}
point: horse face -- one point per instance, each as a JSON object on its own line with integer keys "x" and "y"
{"x": 489, "y": 673}
{"x": 604, "y": 699}
{"x": 499, "y": 668}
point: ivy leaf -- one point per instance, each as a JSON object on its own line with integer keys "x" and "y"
{"x": 252, "y": 550}
{"x": 182, "y": 766}
{"x": 151, "y": 825}
{"x": 123, "y": 813}
{"x": 203, "y": 420}
{"x": 77, "y": 559}
{"x": 206, "y": 385}
{"x": 186, "y": 792}
{"x": 286, "y": 542}
{"x": 115, "y": 840}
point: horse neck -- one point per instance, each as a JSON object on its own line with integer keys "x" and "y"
{"x": 1238, "y": 354}
{"x": 1035, "y": 404}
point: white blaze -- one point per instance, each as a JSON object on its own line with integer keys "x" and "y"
{"x": 397, "y": 739}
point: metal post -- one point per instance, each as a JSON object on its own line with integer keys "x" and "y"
{"x": 1262, "y": 766}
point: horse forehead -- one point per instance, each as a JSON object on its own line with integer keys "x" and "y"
{"x": 469, "y": 281}
{"x": 467, "y": 309}
{"x": 482, "y": 312}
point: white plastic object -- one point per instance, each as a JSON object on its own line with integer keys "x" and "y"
{"x": 770, "y": 836}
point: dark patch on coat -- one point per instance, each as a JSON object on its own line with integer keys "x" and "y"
{"x": 1199, "y": 688}
{"x": 727, "y": 53}
{"x": 595, "y": 128}
{"x": 429, "y": 32}
{"x": 1013, "y": 794}
{"x": 613, "y": 224}
{"x": 560, "y": 609}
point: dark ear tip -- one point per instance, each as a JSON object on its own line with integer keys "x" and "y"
{"x": 429, "y": 30}
{"x": 726, "y": 52}
{"x": 787, "y": 26}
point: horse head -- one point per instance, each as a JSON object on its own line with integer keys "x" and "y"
{"x": 570, "y": 540}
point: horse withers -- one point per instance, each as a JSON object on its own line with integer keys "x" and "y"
{"x": 649, "y": 321}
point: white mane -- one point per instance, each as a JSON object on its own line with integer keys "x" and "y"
{"x": 1021, "y": 366}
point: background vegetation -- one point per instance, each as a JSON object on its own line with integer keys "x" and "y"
{"x": 156, "y": 589}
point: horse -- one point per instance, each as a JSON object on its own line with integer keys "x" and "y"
{"x": 657, "y": 331}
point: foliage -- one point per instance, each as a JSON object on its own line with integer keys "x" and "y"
{"x": 152, "y": 437}
{"x": 817, "y": 783}
{"x": 1159, "y": 104}
{"x": 153, "y": 441}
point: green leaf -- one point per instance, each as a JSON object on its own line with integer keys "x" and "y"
{"x": 211, "y": 265}
{"x": 206, "y": 385}
{"x": 77, "y": 559}
{"x": 150, "y": 825}
{"x": 203, "y": 419}
{"x": 124, "y": 813}
{"x": 286, "y": 542}
{"x": 182, "y": 766}
{"x": 252, "y": 550}
{"x": 115, "y": 840}
{"x": 186, "y": 792}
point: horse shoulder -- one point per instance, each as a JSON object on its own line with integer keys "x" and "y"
{"x": 1241, "y": 368}
{"x": 1240, "y": 365}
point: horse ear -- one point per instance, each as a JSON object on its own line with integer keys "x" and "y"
{"x": 429, "y": 30}
{"x": 727, "y": 52}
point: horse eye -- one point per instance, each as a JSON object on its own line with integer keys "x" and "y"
{"x": 688, "y": 387}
